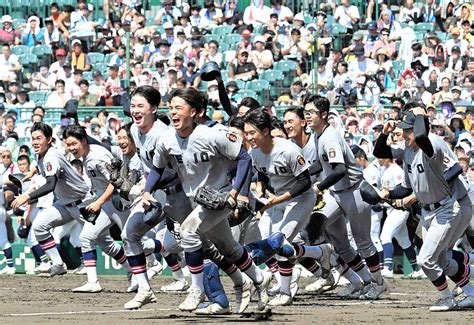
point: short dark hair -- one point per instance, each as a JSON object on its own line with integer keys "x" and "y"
{"x": 54, "y": 5}
{"x": 40, "y": 108}
{"x": 127, "y": 128}
{"x": 250, "y": 103}
{"x": 75, "y": 131}
{"x": 277, "y": 124}
{"x": 43, "y": 128}
{"x": 298, "y": 110}
{"x": 151, "y": 94}
{"x": 84, "y": 82}
{"x": 321, "y": 103}
{"x": 77, "y": 164}
{"x": 23, "y": 157}
{"x": 60, "y": 81}
{"x": 237, "y": 122}
{"x": 24, "y": 147}
{"x": 260, "y": 118}
{"x": 193, "y": 97}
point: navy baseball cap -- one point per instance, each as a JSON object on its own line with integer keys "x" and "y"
{"x": 408, "y": 121}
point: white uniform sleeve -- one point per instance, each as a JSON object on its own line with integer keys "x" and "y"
{"x": 160, "y": 159}
{"x": 333, "y": 151}
{"x": 51, "y": 166}
{"x": 101, "y": 167}
{"x": 296, "y": 161}
{"x": 228, "y": 144}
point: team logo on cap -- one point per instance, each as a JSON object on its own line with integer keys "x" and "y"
{"x": 49, "y": 167}
{"x": 300, "y": 160}
{"x": 231, "y": 136}
{"x": 332, "y": 153}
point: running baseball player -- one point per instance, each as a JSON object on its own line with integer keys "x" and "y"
{"x": 280, "y": 162}
{"x": 69, "y": 189}
{"x": 343, "y": 177}
{"x": 96, "y": 158}
{"x": 203, "y": 156}
{"x": 424, "y": 176}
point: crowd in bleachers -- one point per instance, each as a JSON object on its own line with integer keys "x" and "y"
{"x": 365, "y": 57}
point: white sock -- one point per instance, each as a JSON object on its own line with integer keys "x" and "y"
{"x": 285, "y": 284}
{"x": 317, "y": 273}
{"x": 471, "y": 258}
{"x": 471, "y": 271}
{"x": 197, "y": 280}
{"x": 364, "y": 274}
{"x": 53, "y": 254}
{"x": 313, "y": 252}
{"x": 126, "y": 266}
{"x": 91, "y": 274}
{"x": 468, "y": 289}
{"x": 254, "y": 273}
{"x": 142, "y": 280}
{"x": 178, "y": 275}
{"x": 237, "y": 278}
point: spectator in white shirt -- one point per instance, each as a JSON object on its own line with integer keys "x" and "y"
{"x": 9, "y": 64}
{"x": 456, "y": 41}
{"x": 284, "y": 13}
{"x": 346, "y": 14}
{"x": 168, "y": 13}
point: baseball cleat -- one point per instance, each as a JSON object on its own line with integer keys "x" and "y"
{"x": 274, "y": 290}
{"x": 444, "y": 304}
{"x": 465, "y": 302}
{"x": 351, "y": 291}
{"x": 325, "y": 260}
{"x": 374, "y": 290}
{"x": 44, "y": 267}
{"x": 8, "y": 270}
{"x": 176, "y": 286}
{"x": 281, "y": 299}
{"x": 193, "y": 299}
{"x": 153, "y": 270}
{"x": 262, "y": 290}
{"x": 457, "y": 291}
{"x": 56, "y": 269}
{"x": 81, "y": 270}
{"x": 88, "y": 287}
{"x": 321, "y": 285}
{"x": 133, "y": 287}
{"x": 387, "y": 273}
{"x": 242, "y": 295}
{"x": 418, "y": 275}
{"x": 142, "y": 298}
{"x": 212, "y": 309}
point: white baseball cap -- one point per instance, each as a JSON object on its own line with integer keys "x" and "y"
{"x": 299, "y": 16}
{"x": 35, "y": 19}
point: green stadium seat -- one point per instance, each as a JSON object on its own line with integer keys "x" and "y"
{"x": 20, "y": 50}
{"x": 241, "y": 84}
{"x": 424, "y": 27}
{"x": 96, "y": 57}
{"x": 275, "y": 78}
{"x": 288, "y": 68}
{"x": 261, "y": 87}
{"x": 38, "y": 95}
{"x": 222, "y": 30}
{"x": 398, "y": 67}
{"x": 247, "y": 93}
{"x": 212, "y": 37}
{"x": 87, "y": 75}
{"x": 233, "y": 38}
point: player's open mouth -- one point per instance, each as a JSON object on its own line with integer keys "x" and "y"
{"x": 123, "y": 147}
{"x": 137, "y": 118}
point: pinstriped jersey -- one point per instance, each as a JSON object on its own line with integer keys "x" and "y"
{"x": 204, "y": 158}
{"x": 281, "y": 165}
{"x": 70, "y": 186}
{"x": 333, "y": 149}
{"x": 95, "y": 164}
{"x": 391, "y": 177}
{"x": 310, "y": 154}
{"x": 146, "y": 143}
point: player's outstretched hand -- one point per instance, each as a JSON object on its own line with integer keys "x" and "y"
{"x": 384, "y": 194}
{"x": 20, "y": 201}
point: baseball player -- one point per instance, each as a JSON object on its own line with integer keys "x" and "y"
{"x": 96, "y": 158}
{"x": 395, "y": 224}
{"x": 69, "y": 189}
{"x": 280, "y": 162}
{"x": 146, "y": 130}
{"x": 424, "y": 176}
{"x": 343, "y": 177}
{"x": 202, "y": 156}
{"x": 4, "y": 243}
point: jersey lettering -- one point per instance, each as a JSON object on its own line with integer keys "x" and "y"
{"x": 280, "y": 170}
{"x": 179, "y": 159}
{"x": 92, "y": 172}
{"x": 420, "y": 169}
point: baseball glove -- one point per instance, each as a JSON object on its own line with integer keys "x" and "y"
{"x": 320, "y": 203}
{"x": 240, "y": 213}
{"x": 213, "y": 199}
{"x": 88, "y": 216}
{"x": 115, "y": 170}
{"x": 130, "y": 178}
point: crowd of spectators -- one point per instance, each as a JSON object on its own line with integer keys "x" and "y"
{"x": 368, "y": 62}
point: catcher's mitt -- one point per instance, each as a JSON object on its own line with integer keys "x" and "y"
{"x": 213, "y": 199}
{"x": 130, "y": 179}
{"x": 240, "y": 213}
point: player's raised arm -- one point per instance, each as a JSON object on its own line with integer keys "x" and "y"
{"x": 421, "y": 129}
